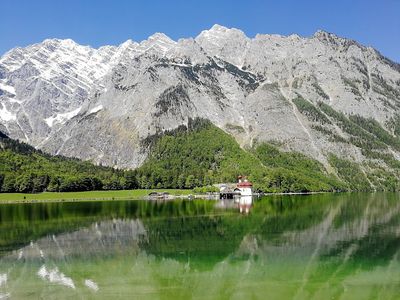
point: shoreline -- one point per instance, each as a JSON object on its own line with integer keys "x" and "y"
{"x": 142, "y": 195}
{"x": 67, "y": 200}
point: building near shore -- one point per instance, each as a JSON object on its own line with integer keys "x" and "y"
{"x": 242, "y": 188}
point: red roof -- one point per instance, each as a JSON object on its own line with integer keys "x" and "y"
{"x": 244, "y": 184}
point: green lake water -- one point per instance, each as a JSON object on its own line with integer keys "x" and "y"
{"x": 328, "y": 246}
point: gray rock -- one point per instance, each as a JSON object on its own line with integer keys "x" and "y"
{"x": 99, "y": 104}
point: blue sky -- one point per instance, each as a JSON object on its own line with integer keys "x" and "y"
{"x": 371, "y": 22}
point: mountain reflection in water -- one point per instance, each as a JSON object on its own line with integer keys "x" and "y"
{"x": 282, "y": 247}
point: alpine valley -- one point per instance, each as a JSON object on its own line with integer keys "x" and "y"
{"x": 323, "y": 104}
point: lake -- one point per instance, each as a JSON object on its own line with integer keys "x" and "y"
{"x": 324, "y": 246}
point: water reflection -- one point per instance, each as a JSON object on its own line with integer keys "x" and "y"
{"x": 102, "y": 238}
{"x": 242, "y": 204}
{"x": 288, "y": 247}
{"x": 245, "y": 203}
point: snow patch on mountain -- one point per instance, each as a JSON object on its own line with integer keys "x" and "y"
{"x": 95, "y": 109}
{"x": 62, "y": 118}
{"x": 8, "y": 88}
{"x": 6, "y": 115}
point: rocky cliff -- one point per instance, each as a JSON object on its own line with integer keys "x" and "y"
{"x": 317, "y": 95}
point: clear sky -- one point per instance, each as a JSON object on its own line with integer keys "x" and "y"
{"x": 371, "y": 22}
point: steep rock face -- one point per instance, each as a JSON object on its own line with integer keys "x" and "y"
{"x": 100, "y": 104}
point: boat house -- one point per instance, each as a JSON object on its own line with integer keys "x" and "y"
{"x": 242, "y": 188}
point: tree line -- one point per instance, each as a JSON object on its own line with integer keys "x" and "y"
{"x": 192, "y": 156}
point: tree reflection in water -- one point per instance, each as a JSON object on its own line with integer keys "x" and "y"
{"x": 287, "y": 247}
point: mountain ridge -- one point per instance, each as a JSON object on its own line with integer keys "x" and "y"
{"x": 99, "y": 104}
{"x": 216, "y": 27}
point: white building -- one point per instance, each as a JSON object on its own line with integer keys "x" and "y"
{"x": 244, "y": 187}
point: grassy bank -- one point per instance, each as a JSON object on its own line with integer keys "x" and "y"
{"x": 85, "y": 196}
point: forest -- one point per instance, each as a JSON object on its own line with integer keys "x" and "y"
{"x": 27, "y": 170}
{"x": 193, "y": 156}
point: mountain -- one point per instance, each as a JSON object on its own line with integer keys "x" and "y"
{"x": 327, "y": 97}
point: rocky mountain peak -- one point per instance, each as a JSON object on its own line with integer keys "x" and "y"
{"x": 158, "y": 42}
{"x": 323, "y": 35}
{"x": 100, "y": 104}
{"x": 218, "y": 34}
{"x": 335, "y": 41}
{"x": 128, "y": 43}
{"x": 227, "y": 43}
{"x": 159, "y": 36}
{"x": 220, "y": 30}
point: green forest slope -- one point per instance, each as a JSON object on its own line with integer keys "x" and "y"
{"x": 25, "y": 169}
{"x": 199, "y": 154}
{"x": 203, "y": 154}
